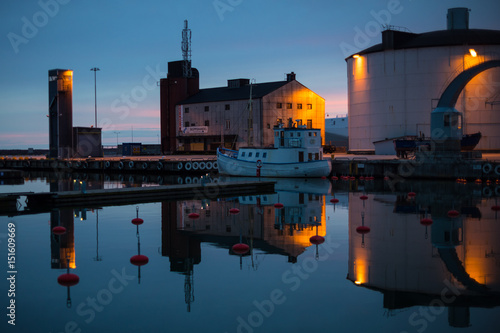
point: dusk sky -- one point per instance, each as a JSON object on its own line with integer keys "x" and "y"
{"x": 132, "y": 41}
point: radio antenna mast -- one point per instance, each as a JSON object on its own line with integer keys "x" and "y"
{"x": 186, "y": 51}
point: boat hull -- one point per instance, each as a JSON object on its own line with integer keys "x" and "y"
{"x": 233, "y": 167}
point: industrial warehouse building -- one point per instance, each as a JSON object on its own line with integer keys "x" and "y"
{"x": 243, "y": 113}
{"x": 394, "y": 86}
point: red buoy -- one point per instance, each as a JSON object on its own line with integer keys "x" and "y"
{"x": 59, "y": 230}
{"x": 137, "y": 221}
{"x": 426, "y": 221}
{"x": 234, "y": 211}
{"x": 240, "y": 248}
{"x": 139, "y": 260}
{"x": 412, "y": 194}
{"x": 334, "y": 200}
{"x": 363, "y": 197}
{"x": 323, "y": 177}
{"x": 363, "y": 229}
{"x": 335, "y": 178}
{"x": 316, "y": 240}
{"x": 68, "y": 279}
{"x": 278, "y": 205}
{"x": 453, "y": 213}
{"x": 386, "y": 178}
{"x": 361, "y": 178}
{"x": 194, "y": 215}
{"x": 495, "y": 208}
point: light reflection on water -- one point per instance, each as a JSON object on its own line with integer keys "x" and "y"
{"x": 401, "y": 276}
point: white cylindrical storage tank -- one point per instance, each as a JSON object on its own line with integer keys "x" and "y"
{"x": 394, "y": 86}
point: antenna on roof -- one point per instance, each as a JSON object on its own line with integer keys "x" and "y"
{"x": 186, "y": 51}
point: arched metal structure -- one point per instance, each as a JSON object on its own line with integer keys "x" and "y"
{"x": 450, "y": 96}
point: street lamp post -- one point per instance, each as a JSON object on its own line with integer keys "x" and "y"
{"x": 95, "y": 69}
{"x": 116, "y": 141}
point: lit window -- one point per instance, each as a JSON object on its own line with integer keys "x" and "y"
{"x": 309, "y": 106}
{"x": 299, "y": 106}
{"x": 279, "y": 105}
{"x": 288, "y": 105}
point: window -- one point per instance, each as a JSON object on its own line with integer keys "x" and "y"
{"x": 207, "y": 122}
{"x": 227, "y": 107}
{"x": 291, "y": 134}
{"x": 186, "y": 110}
{"x": 257, "y": 154}
{"x": 309, "y": 123}
{"x": 276, "y": 134}
{"x": 299, "y": 106}
{"x": 268, "y": 126}
{"x": 228, "y": 124}
{"x": 315, "y": 134}
{"x": 243, "y": 154}
{"x": 279, "y": 105}
{"x": 186, "y": 124}
{"x": 250, "y": 154}
{"x": 264, "y": 155}
{"x": 288, "y": 105}
{"x": 309, "y": 106}
{"x": 207, "y": 108}
{"x": 316, "y": 156}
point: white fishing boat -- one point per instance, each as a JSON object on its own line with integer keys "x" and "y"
{"x": 297, "y": 152}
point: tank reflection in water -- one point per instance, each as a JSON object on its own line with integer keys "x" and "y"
{"x": 171, "y": 266}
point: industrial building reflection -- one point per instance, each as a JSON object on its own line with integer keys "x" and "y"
{"x": 265, "y": 227}
{"x": 434, "y": 246}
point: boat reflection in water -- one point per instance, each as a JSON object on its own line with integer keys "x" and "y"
{"x": 259, "y": 224}
{"x": 450, "y": 259}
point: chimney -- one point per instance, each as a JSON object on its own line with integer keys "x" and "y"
{"x": 290, "y": 77}
{"x": 458, "y": 18}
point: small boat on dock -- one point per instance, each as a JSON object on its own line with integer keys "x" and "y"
{"x": 297, "y": 152}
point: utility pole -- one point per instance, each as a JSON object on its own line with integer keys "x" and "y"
{"x": 95, "y": 69}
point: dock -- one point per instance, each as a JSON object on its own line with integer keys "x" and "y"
{"x": 46, "y": 201}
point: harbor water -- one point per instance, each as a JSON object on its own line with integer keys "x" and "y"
{"x": 426, "y": 260}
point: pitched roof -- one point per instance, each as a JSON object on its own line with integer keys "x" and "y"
{"x": 259, "y": 90}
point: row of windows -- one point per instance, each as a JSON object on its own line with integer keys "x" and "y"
{"x": 290, "y": 105}
{"x": 257, "y": 154}
{"x": 207, "y": 108}
{"x": 276, "y": 134}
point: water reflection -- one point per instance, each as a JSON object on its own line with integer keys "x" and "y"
{"x": 438, "y": 247}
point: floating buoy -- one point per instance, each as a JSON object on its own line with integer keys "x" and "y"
{"x": 323, "y": 177}
{"x": 139, "y": 260}
{"x": 386, "y": 178}
{"x": 495, "y": 208}
{"x": 240, "y": 248}
{"x": 453, "y": 213}
{"x": 352, "y": 178}
{"x": 363, "y": 197}
{"x": 478, "y": 181}
{"x": 334, "y": 200}
{"x": 335, "y": 178}
{"x": 68, "y": 279}
{"x": 316, "y": 239}
{"x": 363, "y": 229}
{"x": 278, "y": 205}
{"x": 426, "y": 221}
{"x": 412, "y": 194}
{"x": 234, "y": 211}
{"x": 59, "y": 230}
{"x": 194, "y": 215}
{"x": 137, "y": 221}
{"x": 361, "y": 178}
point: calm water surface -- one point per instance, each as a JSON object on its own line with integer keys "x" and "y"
{"x": 401, "y": 276}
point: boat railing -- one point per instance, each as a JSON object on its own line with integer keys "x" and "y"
{"x": 228, "y": 152}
